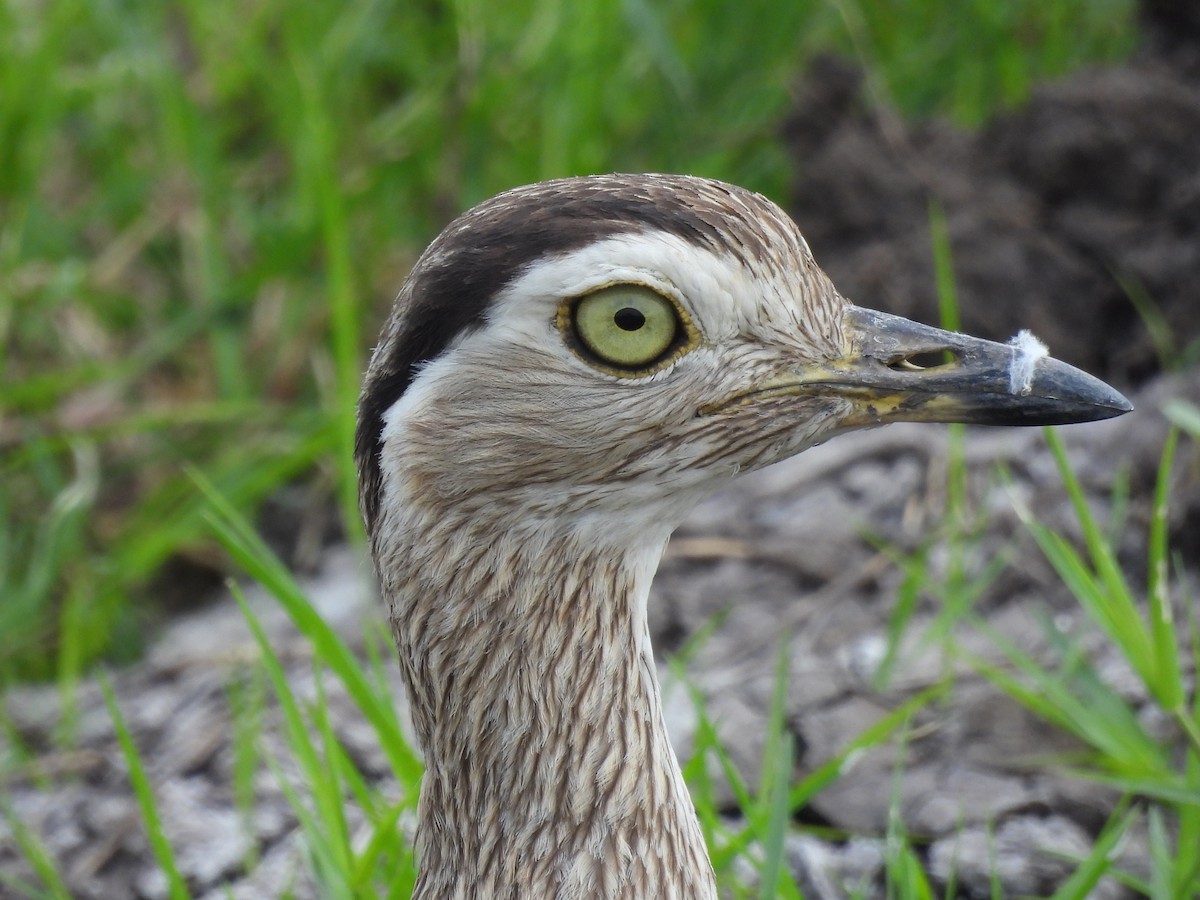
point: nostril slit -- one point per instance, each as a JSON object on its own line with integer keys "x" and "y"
{"x": 930, "y": 359}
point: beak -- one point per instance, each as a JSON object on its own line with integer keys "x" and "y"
{"x": 981, "y": 382}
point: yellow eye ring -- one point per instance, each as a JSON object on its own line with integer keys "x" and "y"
{"x": 625, "y": 328}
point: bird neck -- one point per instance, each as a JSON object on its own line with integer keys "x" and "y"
{"x": 534, "y": 696}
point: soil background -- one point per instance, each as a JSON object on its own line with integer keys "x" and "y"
{"x": 1076, "y": 216}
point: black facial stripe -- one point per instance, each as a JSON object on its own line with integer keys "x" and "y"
{"x": 452, "y": 286}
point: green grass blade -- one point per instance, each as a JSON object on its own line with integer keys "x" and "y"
{"x": 774, "y": 810}
{"x": 872, "y": 736}
{"x": 324, "y": 828}
{"x": 1117, "y": 592}
{"x": 36, "y": 854}
{"x": 1184, "y": 414}
{"x": 778, "y": 815}
{"x": 385, "y": 839}
{"x": 295, "y": 728}
{"x": 1104, "y": 593}
{"x": 906, "y": 877}
{"x": 329, "y": 876}
{"x": 247, "y": 702}
{"x": 253, "y": 555}
{"x": 1168, "y": 684}
{"x": 904, "y": 608}
{"x": 1161, "y": 858}
{"x": 1102, "y": 720}
{"x": 1171, "y": 789}
{"x": 943, "y": 269}
{"x": 1087, "y": 875}
{"x": 1187, "y": 843}
{"x": 329, "y": 785}
{"x": 159, "y": 844}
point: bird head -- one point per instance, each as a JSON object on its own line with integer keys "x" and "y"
{"x": 623, "y": 345}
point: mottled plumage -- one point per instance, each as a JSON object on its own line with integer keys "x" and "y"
{"x": 519, "y": 489}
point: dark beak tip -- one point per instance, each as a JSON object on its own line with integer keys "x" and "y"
{"x": 1083, "y": 397}
{"x": 1101, "y": 411}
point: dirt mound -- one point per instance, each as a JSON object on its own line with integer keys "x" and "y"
{"x": 1077, "y": 216}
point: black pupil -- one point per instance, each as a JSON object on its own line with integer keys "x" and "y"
{"x": 629, "y": 319}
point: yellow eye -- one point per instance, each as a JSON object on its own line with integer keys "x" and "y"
{"x": 627, "y": 325}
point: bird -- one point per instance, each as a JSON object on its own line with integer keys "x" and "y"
{"x": 568, "y": 369}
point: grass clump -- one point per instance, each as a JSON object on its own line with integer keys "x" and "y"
{"x": 1161, "y": 650}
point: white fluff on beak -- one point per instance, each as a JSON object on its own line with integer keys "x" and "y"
{"x": 1027, "y": 350}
